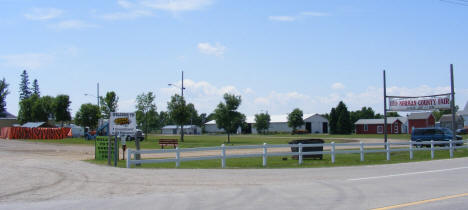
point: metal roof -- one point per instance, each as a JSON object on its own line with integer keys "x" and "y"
{"x": 33, "y": 124}
{"x": 176, "y": 127}
{"x": 419, "y": 116}
{"x": 448, "y": 118}
{"x": 390, "y": 120}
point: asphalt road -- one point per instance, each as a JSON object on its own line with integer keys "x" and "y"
{"x": 39, "y": 176}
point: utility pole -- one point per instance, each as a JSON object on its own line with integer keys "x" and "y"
{"x": 452, "y": 103}
{"x": 182, "y": 127}
{"x": 385, "y": 108}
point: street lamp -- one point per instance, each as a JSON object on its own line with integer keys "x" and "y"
{"x": 182, "y": 88}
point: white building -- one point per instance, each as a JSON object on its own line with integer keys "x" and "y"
{"x": 314, "y": 123}
{"x": 174, "y": 129}
{"x": 464, "y": 114}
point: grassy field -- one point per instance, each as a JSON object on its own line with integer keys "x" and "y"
{"x": 217, "y": 140}
{"x": 278, "y": 162}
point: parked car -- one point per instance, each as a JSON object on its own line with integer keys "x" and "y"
{"x": 138, "y": 134}
{"x": 435, "y": 134}
{"x": 462, "y": 131}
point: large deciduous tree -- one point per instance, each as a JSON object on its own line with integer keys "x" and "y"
{"x": 262, "y": 122}
{"x": 88, "y": 115}
{"x": 179, "y": 112}
{"x": 3, "y": 94}
{"x": 226, "y": 115}
{"x": 145, "y": 107}
{"x": 62, "y": 108}
{"x": 295, "y": 119}
{"x": 109, "y": 104}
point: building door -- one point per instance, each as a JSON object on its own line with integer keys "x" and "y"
{"x": 309, "y": 127}
{"x": 325, "y": 127}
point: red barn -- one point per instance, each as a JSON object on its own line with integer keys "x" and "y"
{"x": 420, "y": 120}
{"x": 376, "y": 126}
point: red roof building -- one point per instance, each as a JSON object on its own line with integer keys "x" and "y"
{"x": 376, "y": 126}
{"x": 420, "y": 120}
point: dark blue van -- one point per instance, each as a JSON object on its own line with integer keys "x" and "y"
{"x": 436, "y": 134}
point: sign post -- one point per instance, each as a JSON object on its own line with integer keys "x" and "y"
{"x": 123, "y": 124}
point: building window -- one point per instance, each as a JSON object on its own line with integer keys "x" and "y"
{"x": 379, "y": 129}
{"x": 395, "y": 129}
{"x": 366, "y": 127}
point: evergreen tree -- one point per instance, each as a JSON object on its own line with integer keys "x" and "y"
{"x": 333, "y": 121}
{"x": 25, "y": 92}
{"x": 3, "y": 94}
{"x": 343, "y": 125}
{"x": 35, "y": 89}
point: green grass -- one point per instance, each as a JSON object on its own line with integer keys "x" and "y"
{"x": 277, "y": 162}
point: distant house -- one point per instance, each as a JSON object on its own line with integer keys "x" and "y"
{"x": 420, "y": 120}
{"x": 446, "y": 121}
{"x": 314, "y": 123}
{"x": 376, "y": 126}
{"x": 464, "y": 114}
{"x": 8, "y": 120}
{"x": 175, "y": 129}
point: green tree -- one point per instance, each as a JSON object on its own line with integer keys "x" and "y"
{"x": 333, "y": 121}
{"x": 438, "y": 113}
{"x": 88, "y": 115}
{"x": 25, "y": 113}
{"x": 226, "y": 115}
{"x": 3, "y": 94}
{"x": 25, "y": 92}
{"x": 109, "y": 104}
{"x": 393, "y": 114}
{"x": 145, "y": 106}
{"x": 343, "y": 125}
{"x": 295, "y": 119}
{"x": 165, "y": 119}
{"x": 62, "y": 109}
{"x": 179, "y": 112}
{"x": 262, "y": 122}
{"x": 35, "y": 89}
{"x": 42, "y": 108}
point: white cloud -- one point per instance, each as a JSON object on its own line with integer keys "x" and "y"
{"x": 125, "y": 4}
{"x": 73, "y": 24}
{"x": 177, "y": 5}
{"x": 282, "y": 18}
{"x": 27, "y": 60}
{"x": 127, "y": 105}
{"x": 337, "y": 86}
{"x": 301, "y": 15}
{"x": 132, "y": 14}
{"x": 43, "y": 13}
{"x": 209, "y": 49}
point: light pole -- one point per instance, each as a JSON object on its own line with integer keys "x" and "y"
{"x": 182, "y": 93}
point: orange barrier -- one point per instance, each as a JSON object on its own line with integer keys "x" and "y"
{"x": 34, "y": 133}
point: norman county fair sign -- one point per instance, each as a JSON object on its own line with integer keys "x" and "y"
{"x": 122, "y": 123}
{"x": 419, "y": 103}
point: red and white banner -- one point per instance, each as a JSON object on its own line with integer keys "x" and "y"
{"x": 421, "y": 103}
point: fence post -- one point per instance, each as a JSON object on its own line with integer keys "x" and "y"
{"x": 223, "y": 156}
{"x": 451, "y": 148}
{"x": 300, "y": 153}
{"x": 177, "y": 157}
{"x": 129, "y": 155}
{"x": 387, "y": 144}
{"x": 411, "y": 155}
{"x": 432, "y": 149}
{"x": 362, "y": 151}
{"x": 333, "y": 152}
{"x": 264, "y": 154}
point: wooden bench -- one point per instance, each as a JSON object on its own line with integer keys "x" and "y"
{"x": 168, "y": 142}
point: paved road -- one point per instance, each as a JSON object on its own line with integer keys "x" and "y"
{"x": 53, "y": 177}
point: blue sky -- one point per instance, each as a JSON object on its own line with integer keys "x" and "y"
{"x": 277, "y": 55}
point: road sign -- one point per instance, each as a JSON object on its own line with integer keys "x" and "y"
{"x": 123, "y": 123}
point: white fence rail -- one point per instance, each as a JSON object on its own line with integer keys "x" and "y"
{"x": 360, "y": 148}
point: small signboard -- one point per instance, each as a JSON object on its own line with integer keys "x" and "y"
{"x": 123, "y": 123}
{"x": 420, "y": 103}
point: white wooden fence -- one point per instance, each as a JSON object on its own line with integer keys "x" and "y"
{"x": 410, "y": 147}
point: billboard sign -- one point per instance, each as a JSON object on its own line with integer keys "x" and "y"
{"x": 123, "y": 123}
{"x": 420, "y": 103}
